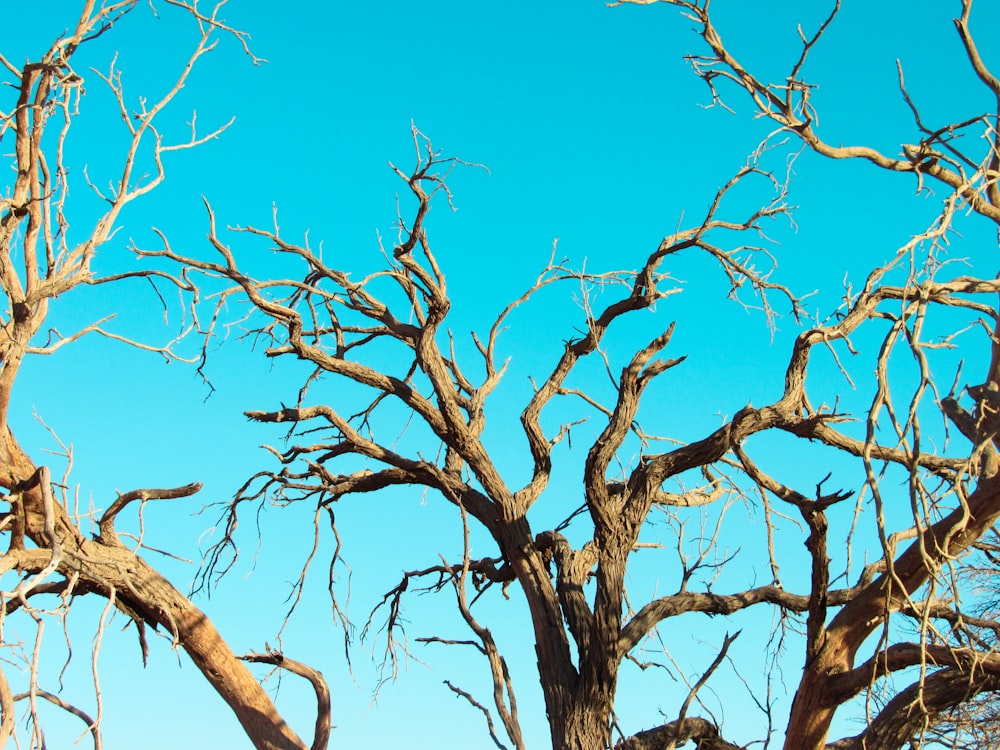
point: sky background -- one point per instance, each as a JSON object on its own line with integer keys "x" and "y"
{"x": 596, "y": 134}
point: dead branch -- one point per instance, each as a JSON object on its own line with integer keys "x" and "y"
{"x": 701, "y": 731}
{"x": 93, "y": 726}
{"x": 907, "y": 715}
{"x": 468, "y": 697}
{"x": 693, "y": 692}
{"x": 106, "y": 525}
{"x": 790, "y": 106}
{"x": 321, "y": 734}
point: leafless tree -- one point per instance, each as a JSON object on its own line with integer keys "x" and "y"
{"x": 895, "y": 639}
{"x": 900, "y": 643}
{"x": 50, "y": 555}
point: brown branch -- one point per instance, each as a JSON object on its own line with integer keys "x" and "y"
{"x": 907, "y": 715}
{"x": 484, "y": 572}
{"x": 813, "y": 512}
{"x": 718, "y": 604}
{"x": 634, "y": 378}
{"x": 693, "y": 692}
{"x": 321, "y": 733}
{"x": 957, "y": 619}
{"x": 899, "y": 656}
{"x": 414, "y": 472}
{"x": 703, "y": 732}
{"x": 127, "y": 581}
{"x": 468, "y": 697}
{"x": 92, "y": 725}
{"x": 106, "y": 526}
{"x": 993, "y": 84}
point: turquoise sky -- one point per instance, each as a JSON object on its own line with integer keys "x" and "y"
{"x": 595, "y": 133}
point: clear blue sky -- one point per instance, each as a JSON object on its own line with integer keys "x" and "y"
{"x": 594, "y": 132}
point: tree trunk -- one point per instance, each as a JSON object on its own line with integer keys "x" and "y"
{"x": 576, "y": 721}
{"x": 578, "y": 704}
{"x": 586, "y": 727}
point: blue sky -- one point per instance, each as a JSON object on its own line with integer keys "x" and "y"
{"x": 595, "y": 133}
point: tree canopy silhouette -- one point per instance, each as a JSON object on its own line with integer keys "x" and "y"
{"x": 874, "y": 594}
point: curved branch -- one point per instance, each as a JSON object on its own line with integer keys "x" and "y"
{"x": 634, "y": 379}
{"x": 321, "y": 735}
{"x": 910, "y": 711}
{"x": 92, "y": 725}
{"x": 409, "y": 471}
{"x": 106, "y": 525}
{"x": 718, "y": 604}
{"x": 993, "y": 84}
{"x": 899, "y": 656}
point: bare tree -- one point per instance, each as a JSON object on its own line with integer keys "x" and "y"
{"x": 50, "y": 556}
{"x": 901, "y": 643}
{"x": 893, "y": 642}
